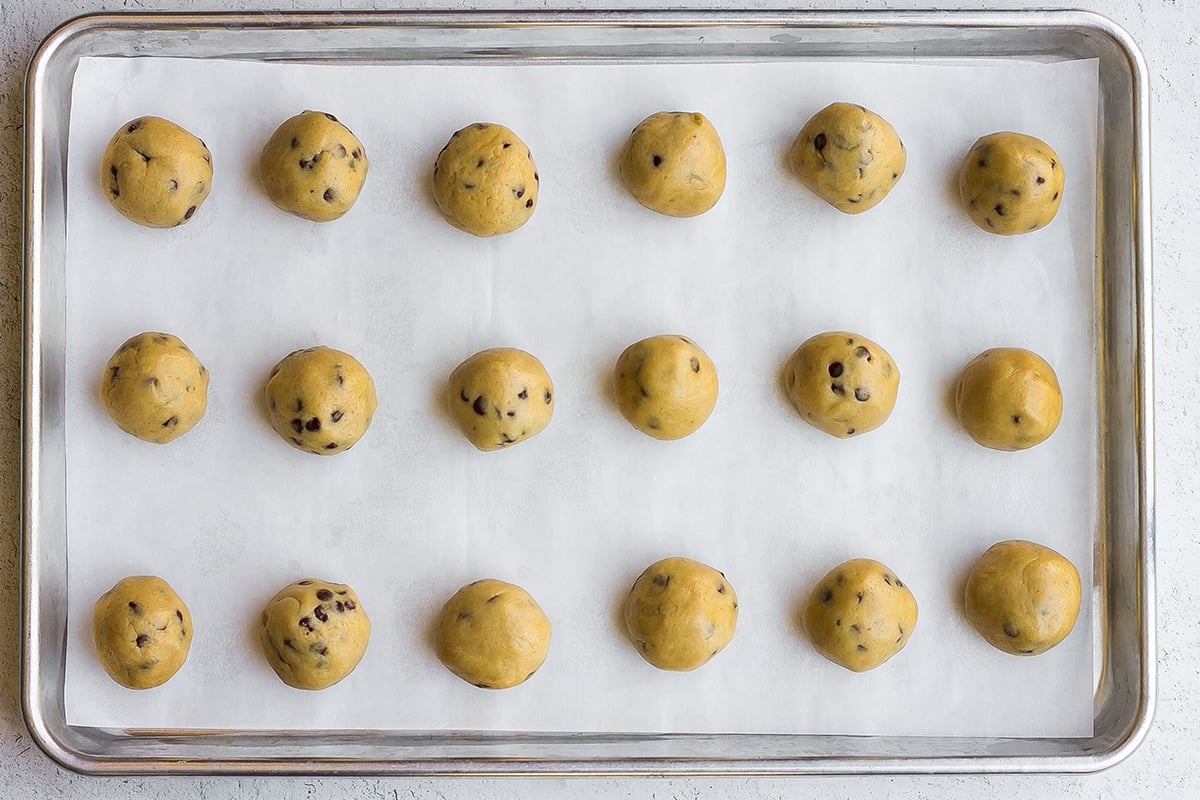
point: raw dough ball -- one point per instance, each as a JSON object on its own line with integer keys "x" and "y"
{"x": 842, "y": 383}
{"x": 314, "y": 633}
{"x": 492, "y": 634}
{"x": 1008, "y": 399}
{"x": 321, "y": 400}
{"x": 313, "y": 166}
{"x": 860, "y": 614}
{"x": 154, "y": 387}
{"x": 155, "y": 173}
{"x": 142, "y": 632}
{"x": 666, "y": 386}
{"x": 849, "y": 156}
{"x": 1022, "y": 597}
{"x": 500, "y": 397}
{"x": 674, "y": 164}
{"x": 1011, "y": 183}
{"x": 680, "y": 613}
{"x": 485, "y": 181}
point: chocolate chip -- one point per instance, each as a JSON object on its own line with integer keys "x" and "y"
{"x": 988, "y": 220}
{"x": 330, "y": 117}
{"x": 133, "y": 127}
{"x": 356, "y": 153}
{"x": 188, "y": 214}
{"x": 331, "y": 446}
{"x": 295, "y": 142}
{"x": 862, "y": 352}
{"x": 350, "y": 605}
{"x": 657, "y": 161}
{"x": 854, "y": 199}
{"x": 179, "y": 614}
{"x": 895, "y": 175}
{"x": 695, "y": 364}
{"x": 855, "y": 628}
{"x": 862, "y": 648}
{"x": 535, "y": 177}
{"x": 305, "y": 163}
{"x": 506, "y": 145}
{"x": 529, "y": 202}
{"x": 340, "y": 379}
{"x": 661, "y": 580}
{"x": 838, "y": 623}
{"x": 479, "y": 126}
{"x": 324, "y": 594}
{"x": 721, "y": 589}
{"x": 900, "y": 583}
{"x": 1016, "y": 419}
{"x": 339, "y": 151}
{"x": 827, "y": 595}
{"x": 1040, "y": 179}
{"x": 1055, "y": 196}
{"x": 859, "y": 595}
{"x": 511, "y": 413}
{"x": 645, "y": 392}
{"x": 318, "y": 648}
{"x": 548, "y": 398}
{"x": 999, "y": 209}
{"x": 112, "y": 373}
{"x": 320, "y": 614}
{"x": 506, "y": 439}
{"x": 142, "y": 640}
{"x": 335, "y": 416}
{"x": 1011, "y": 631}
{"x": 1015, "y": 192}
{"x": 313, "y": 424}
{"x": 298, "y": 425}
{"x": 819, "y": 141}
{"x": 304, "y": 583}
{"x": 145, "y": 666}
{"x": 463, "y": 394}
{"x": 1053, "y": 163}
{"x": 519, "y": 192}
{"x": 115, "y": 192}
{"x": 288, "y": 643}
{"x": 836, "y": 369}
{"x": 341, "y": 608}
{"x": 837, "y": 389}
{"x": 463, "y": 616}
{"x": 306, "y": 623}
{"x": 1027, "y": 652}
{"x": 328, "y": 195}
{"x": 982, "y": 164}
{"x": 887, "y": 579}
{"x": 468, "y": 186}
{"x": 480, "y": 405}
{"x": 171, "y": 422}
{"x": 862, "y": 394}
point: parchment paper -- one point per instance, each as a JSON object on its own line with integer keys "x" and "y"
{"x": 228, "y": 513}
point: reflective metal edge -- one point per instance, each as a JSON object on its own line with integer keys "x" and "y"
{"x": 1141, "y": 722}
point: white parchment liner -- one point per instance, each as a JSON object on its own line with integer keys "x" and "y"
{"x": 229, "y": 513}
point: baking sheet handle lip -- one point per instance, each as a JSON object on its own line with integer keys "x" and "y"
{"x": 60, "y": 752}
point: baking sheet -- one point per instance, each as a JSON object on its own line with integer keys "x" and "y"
{"x": 228, "y": 513}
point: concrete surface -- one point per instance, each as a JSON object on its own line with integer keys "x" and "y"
{"x": 1168, "y": 763}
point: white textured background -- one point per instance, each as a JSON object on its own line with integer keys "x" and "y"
{"x": 1166, "y": 766}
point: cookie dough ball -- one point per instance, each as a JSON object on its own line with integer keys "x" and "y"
{"x": 1022, "y": 597}
{"x": 674, "y": 164}
{"x": 314, "y": 633}
{"x": 154, "y": 387}
{"x": 666, "y": 386}
{"x": 485, "y": 181}
{"x": 156, "y": 173}
{"x": 1011, "y": 183}
{"x": 313, "y": 167}
{"x": 492, "y": 634}
{"x": 500, "y": 397}
{"x": 321, "y": 400}
{"x": 680, "y": 613}
{"x": 849, "y": 156}
{"x": 1008, "y": 399}
{"x": 142, "y": 632}
{"x": 842, "y": 383}
{"x": 860, "y": 614}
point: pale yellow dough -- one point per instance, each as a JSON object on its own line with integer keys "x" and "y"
{"x": 142, "y": 632}
{"x": 313, "y": 166}
{"x": 156, "y": 173}
{"x": 314, "y": 633}
{"x": 1011, "y": 183}
{"x": 848, "y": 156}
{"x": 485, "y": 181}
{"x": 860, "y": 614}
{"x": 1022, "y": 597}
{"x": 1008, "y": 399}
{"x": 492, "y": 634}
{"x": 842, "y": 383}
{"x": 321, "y": 400}
{"x": 666, "y": 386}
{"x": 500, "y": 397}
{"x": 680, "y": 613}
{"x": 674, "y": 163}
{"x": 154, "y": 387}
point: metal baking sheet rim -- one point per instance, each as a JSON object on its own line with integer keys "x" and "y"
{"x": 245, "y": 754}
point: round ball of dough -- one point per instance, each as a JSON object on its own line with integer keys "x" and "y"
{"x": 485, "y": 181}
{"x": 860, "y": 614}
{"x": 674, "y": 164}
{"x": 1008, "y": 399}
{"x": 154, "y": 387}
{"x": 155, "y": 173}
{"x": 313, "y": 166}
{"x": 314, "y": 633}
{"x": 500, "y": 397}
{"x": 848, "y": 156}
{"x": 1011, "y": 183}
{"x": 492, "y": 634}
{"x": 666, "y": 386}
{"x": 842, "y": 383}
{"x": 680, "y": 613}
{"x": 1022, "y": 597}
{"x": 142, "y": 632}
{"x": 321, "y": 400}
